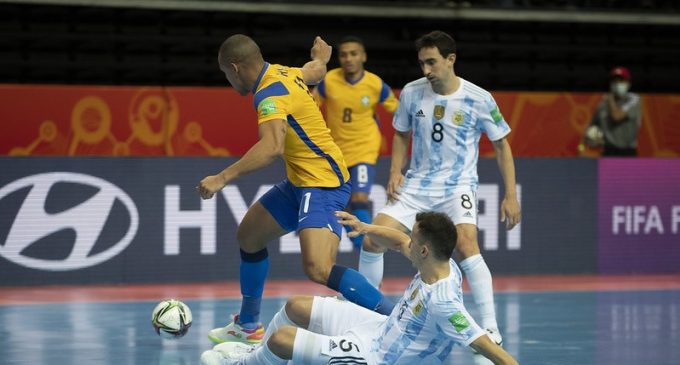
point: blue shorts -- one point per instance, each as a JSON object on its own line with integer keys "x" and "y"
{"x": 296, "y": 208}
{"x": 361, "y": 176}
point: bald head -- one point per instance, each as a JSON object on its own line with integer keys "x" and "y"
{"x": 239, "y": 49}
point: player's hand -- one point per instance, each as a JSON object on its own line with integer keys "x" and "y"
{"x": 510, "y": 212}
{"x": 394, "y": 186}
{"x": 321, "y": 50}
{"x": 353, "y": 222}
{"x": 209, "y": 186}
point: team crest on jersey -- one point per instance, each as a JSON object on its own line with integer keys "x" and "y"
{"x": 439, "y": 111}
{"x": 413, "y": 294}
{"x": 458, "y": 117}
{"x": 365, "y": 100}
{"x": 418, "y": 308}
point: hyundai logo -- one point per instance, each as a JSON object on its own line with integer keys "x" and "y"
{"x": 87, "y": 219}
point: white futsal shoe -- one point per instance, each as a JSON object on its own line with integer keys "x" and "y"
{"x": 228, "y": 353}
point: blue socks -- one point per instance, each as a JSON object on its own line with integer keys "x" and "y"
{"x": 252, "y": 275}
{"x": 362, "y": 211}
{"x": 355, "y": 288}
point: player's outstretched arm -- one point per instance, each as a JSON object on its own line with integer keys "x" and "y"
{"x": 264, "y": 152}
{"x": 400, "y": 144}
{"x": 383, "y": 236}
{"x": 314, "y": 70}
{"x": 510, "y": 211}
{"x": 492, "y": 351}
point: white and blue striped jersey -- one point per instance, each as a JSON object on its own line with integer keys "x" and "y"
{"x": 427, "y": 322}
{"x": 445, "y": 133}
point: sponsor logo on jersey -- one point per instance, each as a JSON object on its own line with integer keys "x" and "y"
{"x": 266, "y": 107}
{"x": 332, "y": 345}
{"x": 439, "y": 111}
{"x": 420, "y": 114}
{"x": 467, "y": 214}
{"x": 459, "y": 322}
{"x": 496, "y": 115}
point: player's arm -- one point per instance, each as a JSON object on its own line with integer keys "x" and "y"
{"x": 492, "y": 351}
{"x": 314, "y": 70}
{"x": 617, "y": 112}
{"x": 399, "y": 153}
{"x": 264, "y": 152}
{"x": 387, "y": 98}
{"x": 386, "y": 237}
{"x": 510, "y": 211}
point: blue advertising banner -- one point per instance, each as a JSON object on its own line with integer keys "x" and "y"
{"x": 140, "y": 220}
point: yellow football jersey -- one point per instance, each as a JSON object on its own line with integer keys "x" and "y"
{"x": 350, "y": 113}
{"x": 312, "y": 157}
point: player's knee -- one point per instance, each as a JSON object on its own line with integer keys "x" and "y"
{"x": 466, "y": 246}
{"x": 318, "y": 272}
{"x": 281, "y": 342}
{"x": 298, "y": 310}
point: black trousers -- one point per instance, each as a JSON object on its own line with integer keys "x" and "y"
{"x": 612, "y": 151}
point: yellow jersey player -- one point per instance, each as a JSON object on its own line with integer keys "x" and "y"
{"x": 351, "y": 95}
{"x": 290, "y": 126}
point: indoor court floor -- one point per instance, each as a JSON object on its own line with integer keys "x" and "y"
{"x": 570, "y": 320}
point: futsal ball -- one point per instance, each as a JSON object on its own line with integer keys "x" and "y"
{"x": 594, "y": 136}
{"x": 171, "y": 318}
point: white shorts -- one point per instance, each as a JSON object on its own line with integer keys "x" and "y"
{"x": 347, "y": 328}
{"x": 461, "y": 207}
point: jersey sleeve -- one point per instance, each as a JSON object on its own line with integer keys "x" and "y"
{"x": 272, "y": 102}
{"x": 387, "y": 98}
{"x": 491, "y": 121}
{"x": 402, "y": 121}
{"x": 319, "y": 93}
{"x": 456, "y": 323}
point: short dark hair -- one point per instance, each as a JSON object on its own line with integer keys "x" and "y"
{"x": 351, "y": 39}
{"x": 439, "y": 230}
{"x": 444, "y": 43}
{"x": 239, "y": 48}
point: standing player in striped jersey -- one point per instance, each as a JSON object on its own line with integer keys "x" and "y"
{"x": 316, "y": 185}
{"x": 351, "y": 95}
{"x": 428, "y": 321}
{"x": 446, "y": 115}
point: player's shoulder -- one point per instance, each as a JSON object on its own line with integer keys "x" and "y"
{"x": 334, "y": 74}
{"x": 473, "y": 90}
{"x": 416, "y": 85}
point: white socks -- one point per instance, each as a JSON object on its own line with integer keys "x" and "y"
{"x": 307, "y": 349}
{"x": 371, "y": 266}
{"x": 263, "y": 356}
{"x": 479, "y": 279}
{"x": 280, "y": 319}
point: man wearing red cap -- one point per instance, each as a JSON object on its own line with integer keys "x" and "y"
{"x": 616, "y": 121}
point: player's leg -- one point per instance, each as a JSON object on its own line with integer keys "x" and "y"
{"x": 360, "y": 206}
{"x": 463, "y": 211}
{"x": 319, "y": 232}
{"x": 264, "y": 221}
{"x": 290, "y": 343}
{"x": 400, "y": 215}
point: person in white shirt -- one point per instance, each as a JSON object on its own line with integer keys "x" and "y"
{"x": 422, "y": 329}
{"x": 444, "y": 115}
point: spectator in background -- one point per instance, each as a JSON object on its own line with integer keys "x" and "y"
{"x": 616, "y": 121}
